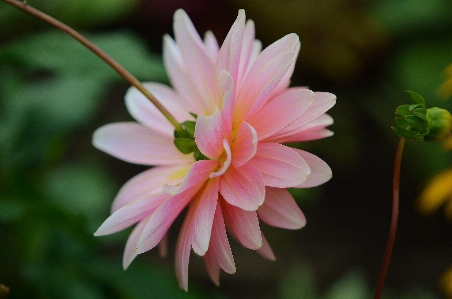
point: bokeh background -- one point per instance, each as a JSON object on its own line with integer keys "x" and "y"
{"x": 56, "y": 189}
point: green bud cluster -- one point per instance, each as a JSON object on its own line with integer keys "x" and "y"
{"x": 417, "y": 122}
{"x": 184, "y": 140}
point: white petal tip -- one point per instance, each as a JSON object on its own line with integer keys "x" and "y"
{"x": 99, "y": 233}
{"x": 169, "y": 189}
{"x": 139, "y": 250}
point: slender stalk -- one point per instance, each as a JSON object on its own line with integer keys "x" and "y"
{"x": 394, "y": 218}
{"x": 97, "y": 51}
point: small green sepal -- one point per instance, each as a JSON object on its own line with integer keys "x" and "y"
{"x": 417, "y": 122}
{"x": 416, "y": 97}
{"x": 185, "y": 145}
{"x": 184, "y": 139}
{"x": 411, "y": 120}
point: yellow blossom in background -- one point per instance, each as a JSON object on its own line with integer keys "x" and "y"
{"x": 445, "y": 90}
{"x": 439, "y": 190}
{"x": 446, "y": 283}
{"x": 437, "y": 193}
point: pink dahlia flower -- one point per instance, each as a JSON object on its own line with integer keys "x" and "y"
{"x": 239, "y": 98}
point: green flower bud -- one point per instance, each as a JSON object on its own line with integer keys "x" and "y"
{"x": 439, "y": 124}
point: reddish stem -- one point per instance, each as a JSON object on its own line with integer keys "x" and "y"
{"x": 394, "y": 218}
{"x": 96, "y": 50}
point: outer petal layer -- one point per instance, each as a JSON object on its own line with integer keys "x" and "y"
{"x": 148, "y": 183}
{"x": 129, "y": 251}
{"x": 244, "y": 225}
{"x": 281, "y": 111}
{"x": 280, "y": 165}
{"x": 162, "y": 219}
{"x": 320, "y": 171}
{"x": 197, "y": 174}
{"x": 130, "y": 214}
{"x": 205, "y": 204}
{"x": 137, "y": 144}
{"x": 243, "y": 187}
{"x": 147, "y": 114}
{"x": 281, "y": 210}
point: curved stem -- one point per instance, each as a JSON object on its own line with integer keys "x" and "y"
{"x": 394, "y": 218}
{"x": 96, "y": 50}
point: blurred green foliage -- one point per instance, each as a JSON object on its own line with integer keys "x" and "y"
{"x": 50, "y": 205}
{"x": 300, "y": 283}
{"x": 52, "y": 197}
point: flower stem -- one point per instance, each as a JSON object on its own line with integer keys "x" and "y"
{"x": 394, "y": 218}
{"x": 97, "y": 51}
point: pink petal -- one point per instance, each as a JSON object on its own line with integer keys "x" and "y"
{"x": 147, "y": 114}
{"x": 244, "y": 225}
{"x": 130, "y": 214}
{"x": 212, "y": 267}
{"x": 285, "y": 81}
{"x": 147, "y": 183}
{"x": 245, "y": 145}
{"x": 281, "y": 210}
{"x": 311, "y": 131}
{"x": 224, "y": 165}
{"x": 323, "y": 101}
{"x": 163, "y": 246}
{"x": 162, "y": 218}
{"x": 211, "y": 44}
{"x": 137, "y": 144}
{"x": 266, "y": 251}
{"x": 260, "y": 86}
{"x": 209, "y": 134}
{"x": 227, "y": 105}
{"x": 280, "y": 165}
{"x": 267, "y": 71}
{"x": 229, "y": 55}
{"x": 183, "y": 248}
{"x": 320, "y": 171}
{"x": 311, "y": 135}
{"x": 246, "y": 56}
{"x": 196, "y": 59}
{"x": 204, "y": 207}
{"x": 288, "y": 42}
{"x": 197, "y": 174}
{"x": 129, "y": 251}
{"x": 180, "y": 78}
{"x": 243, "y": 187}
{"x": 219, "y": 248}
{"x": 281, "y": 111}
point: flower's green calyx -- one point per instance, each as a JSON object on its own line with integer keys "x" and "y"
{"x": 184, "y": 140}
{"x": 417, "y": 122}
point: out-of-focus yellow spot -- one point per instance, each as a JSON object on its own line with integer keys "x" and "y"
{"x": 447, "y": 145}
{"x": 445, "y": 90}
{"x": 437, "y": 193}
{"x": 446, "y": 283}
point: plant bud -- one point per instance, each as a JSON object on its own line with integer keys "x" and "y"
{"x": 439, "y": 124}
